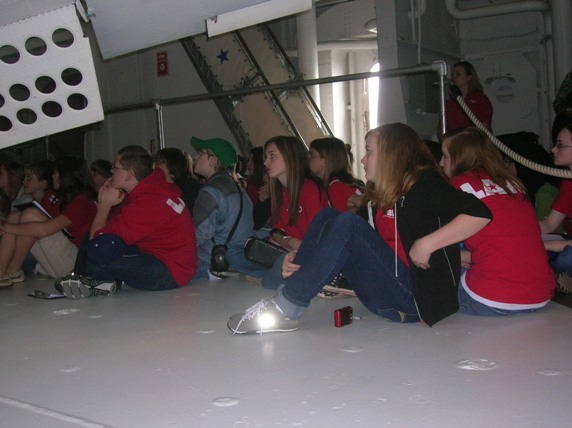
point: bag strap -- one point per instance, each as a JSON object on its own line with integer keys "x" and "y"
{"x": 235, "y": 225}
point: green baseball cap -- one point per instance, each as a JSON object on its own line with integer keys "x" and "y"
{"x": 222, "y": 149}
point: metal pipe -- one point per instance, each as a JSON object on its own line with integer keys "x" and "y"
{"x": 307, "y": 36}
{"x": 499, "y": 9}
{"x": 441, "y": 68}
{"x": 160, "y": 125}
{"x": 396, "y": 72}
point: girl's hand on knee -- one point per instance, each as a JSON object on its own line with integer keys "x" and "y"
{"x": 288, "y": 265}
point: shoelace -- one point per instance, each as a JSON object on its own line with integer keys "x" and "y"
{"x": 252, "y": 312}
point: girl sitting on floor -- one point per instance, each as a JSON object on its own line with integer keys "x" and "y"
{"x": 508, "y": 271}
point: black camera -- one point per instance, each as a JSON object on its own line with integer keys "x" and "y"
{"x": 219, "y": 263}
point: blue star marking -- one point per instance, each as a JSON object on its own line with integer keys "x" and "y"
{"x": 222, "y": 56}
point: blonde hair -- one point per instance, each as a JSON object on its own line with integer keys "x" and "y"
{"x": 470, "y": 149}
{"x": 402, "y": 157}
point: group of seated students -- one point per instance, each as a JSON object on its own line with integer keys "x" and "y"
{"x": 396, "y": 240}
{"x": 401, "y": 253}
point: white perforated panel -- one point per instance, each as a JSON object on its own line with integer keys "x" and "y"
{"x": 48, "y": 82}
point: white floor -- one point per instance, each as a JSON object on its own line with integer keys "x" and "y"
{"x": 166, "y": 359}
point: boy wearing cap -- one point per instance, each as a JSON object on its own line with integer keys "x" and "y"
{"x": 142, "y": 234}
{"x": 218, "y": 206}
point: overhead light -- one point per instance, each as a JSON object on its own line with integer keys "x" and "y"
{"x": 252, "y": 15}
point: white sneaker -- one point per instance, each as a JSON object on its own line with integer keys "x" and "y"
{"x": 263, "y": 317}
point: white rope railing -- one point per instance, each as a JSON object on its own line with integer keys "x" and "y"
{"x": 561, "y": 173}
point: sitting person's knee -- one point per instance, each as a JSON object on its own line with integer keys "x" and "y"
{"x": 32, "y": 214}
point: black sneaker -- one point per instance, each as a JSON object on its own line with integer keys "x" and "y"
{"x": 338, "y": 286}
{"x": 82, "y": 287}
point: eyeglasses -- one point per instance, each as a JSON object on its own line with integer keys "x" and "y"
{"x": 561, "y": 146}
{"x": 113, "y": 168}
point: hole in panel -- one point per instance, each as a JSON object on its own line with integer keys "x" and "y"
{"x": 19, "y": 92}
{"x": 5, "y": 124}
{"x": 26, "y": 116}
{"x": 72, "y": 77}
{"x": 52, "y": 109}
{"x": 62, "y": 38}
{"x": 77, "y": 101}
{"x": 9, "y": 54}
{"x": 45, "y": 84}
{"x": 36, "y": 46}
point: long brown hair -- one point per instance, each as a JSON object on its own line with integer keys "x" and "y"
{"x": 471, "y": 149}
{"x": 474, "y": 83}
{"x": 295, "y": 154}
{"x": 402, "y": 157}
{"x": 335, "y": 152}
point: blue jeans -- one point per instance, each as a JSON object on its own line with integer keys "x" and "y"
{"x": 140, "y": 271}
{"x": 344, "y": 242}
{"x": 469, "y": 306}
{"x": 236, "y": 261}
{"x": 561, "y": 261}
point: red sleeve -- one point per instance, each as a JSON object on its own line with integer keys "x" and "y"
{"x": 81, "y": 212}
{"x": 563, "y": 203}
{"x": 339, "y": 194}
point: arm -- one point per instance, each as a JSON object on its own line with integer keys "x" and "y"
{"x": 108, "y": 198}
{"x": 460, "y": 228}
{"x": 551, "y": 222}
{"x": 557, "y": 245}
{"x": 279, "y": 237}
{"x": 288, "y": 265}
{"x": 37, "y": 229}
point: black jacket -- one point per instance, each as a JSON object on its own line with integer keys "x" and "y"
{"x": 428, "y": 205}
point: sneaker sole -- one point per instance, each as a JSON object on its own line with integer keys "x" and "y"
{"x": 18, "y": 279}
{"x": 281, "y": 330}
{"x": 344, "y": 291}
{"x": 75, "y": 290}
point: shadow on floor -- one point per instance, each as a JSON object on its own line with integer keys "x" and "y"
{"x": 563, "y": 298}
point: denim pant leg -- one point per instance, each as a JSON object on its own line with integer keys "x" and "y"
{"x": 237, "y": 261}
{"x": 140, "y": 271}
{"x": 272, "y": 278}
{"x": 562, "y": 261}
{"x": 348, "y": 244}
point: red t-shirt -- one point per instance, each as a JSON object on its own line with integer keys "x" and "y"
{"x": 312, "y": 200}
{"x": 81, "y": 212}
{"x": 385, "y": 225}
{"x": 509, "y": 265}
{"x": 51, "y": 203}
{"x": 479, "y": 104}
{"x": 563, "y": 204}
{"x": 156, "y": 220}
{"x": 339, "y": 194}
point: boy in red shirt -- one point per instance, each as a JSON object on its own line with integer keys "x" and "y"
{"x": 142, "y": 234}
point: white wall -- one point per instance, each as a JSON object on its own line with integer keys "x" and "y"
{"x": 132, "y": 79}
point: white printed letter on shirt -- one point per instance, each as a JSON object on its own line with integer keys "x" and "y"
{"x": 177, "y": 207}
